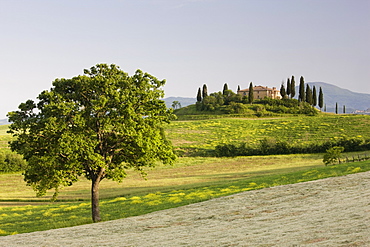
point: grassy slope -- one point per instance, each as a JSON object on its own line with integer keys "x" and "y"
{"x": 206, "y": 134}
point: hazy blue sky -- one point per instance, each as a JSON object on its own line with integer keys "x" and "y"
{"x": 186, "y": 42}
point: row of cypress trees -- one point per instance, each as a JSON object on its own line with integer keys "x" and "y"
{"x": 304, "y": 95}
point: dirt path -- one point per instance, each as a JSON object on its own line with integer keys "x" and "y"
{"x": 328, "y": 212}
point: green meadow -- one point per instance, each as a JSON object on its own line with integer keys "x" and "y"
{"x": 308, "y": 130}
{"x": 192, "y": 178}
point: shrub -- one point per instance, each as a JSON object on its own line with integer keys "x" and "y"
{"x": 236, "y": 108}
{"x": 11, "y": 162}
{"x": 226, "y": 150}
{"x": 332, "y": 155}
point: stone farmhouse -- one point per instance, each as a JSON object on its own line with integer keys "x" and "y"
{"x": 261, "y": 92}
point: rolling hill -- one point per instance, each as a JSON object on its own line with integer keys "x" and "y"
{"x": 183, "y": 101}
{"x": 4, "y": 121}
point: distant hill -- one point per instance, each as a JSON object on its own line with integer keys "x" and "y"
{"x": 334, "y": 94}
{"x": 183, "y": 101}
{"x": 4, "y": 121}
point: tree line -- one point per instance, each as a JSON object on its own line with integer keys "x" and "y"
{"x": 271, "y": 146}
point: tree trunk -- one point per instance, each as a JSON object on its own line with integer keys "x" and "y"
{"x": 95, "y": 210}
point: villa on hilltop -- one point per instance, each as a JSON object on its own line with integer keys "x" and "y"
{"x": 261, "y": 92}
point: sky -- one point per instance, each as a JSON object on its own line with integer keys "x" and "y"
{"x": 187, "y": 42}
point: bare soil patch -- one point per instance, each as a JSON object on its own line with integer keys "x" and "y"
{"x": 327, "y": 212}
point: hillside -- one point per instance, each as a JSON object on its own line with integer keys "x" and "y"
{"x": 4, "y": 121}
{"x": 333, "y": 94}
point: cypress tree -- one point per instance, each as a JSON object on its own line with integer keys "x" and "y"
{"x": 199, "y": 95}
{"x": 205, "y": 91}
{"x": 292, "y": 87}
{"x": 321, "y": 99}
{"x": 314, "y": 96}
{"x": 344, "y": 108}
{"x": 336, "y": 108}
{"x": 301, "y": 96}
{"x": 308, "y": 96}
{"x": 238, "y": 89}
{"x": 225, "y": 89}
{"x": 282, "y": 91}
{"x": 250, "y": 93}
{"x": 288, "y": 88}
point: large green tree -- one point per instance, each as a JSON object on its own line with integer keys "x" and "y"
{"x": 98, "y": 125}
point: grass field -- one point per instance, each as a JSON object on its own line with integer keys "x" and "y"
{"x": 188, "y": 172}
{"x": 191, "y": 179}
{"x": 207, "y": 134}
{"x": 4, "y": 137}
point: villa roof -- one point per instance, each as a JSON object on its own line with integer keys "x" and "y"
{"x": 259, "y": 88}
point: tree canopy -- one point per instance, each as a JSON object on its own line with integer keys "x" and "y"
{"x": 98, "y": 125}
